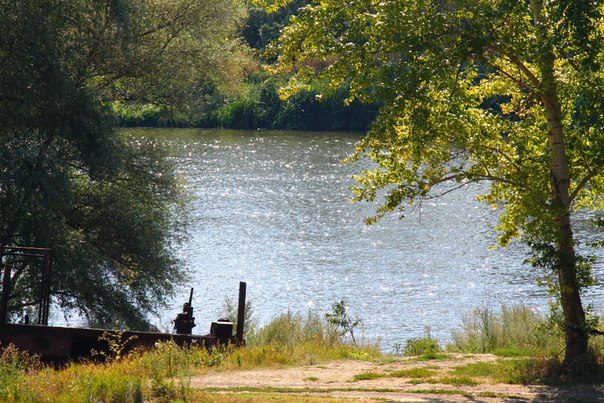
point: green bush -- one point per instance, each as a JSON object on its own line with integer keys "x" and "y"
{"x": 425, "y": 346}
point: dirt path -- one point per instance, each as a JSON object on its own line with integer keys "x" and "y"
{"x": 336, "y": 379}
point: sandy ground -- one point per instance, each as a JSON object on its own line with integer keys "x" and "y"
{"x": 336, "y": 379}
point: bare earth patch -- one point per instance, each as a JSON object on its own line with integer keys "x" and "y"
{"x": 336, "y": 379}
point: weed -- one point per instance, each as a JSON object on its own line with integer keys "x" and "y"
{"x": 482, "y": 369}
{"x": 116, "y": 343}
{"x": 511, "y": 352}
{"x": 292, "y": 329}
{"x": 230, "y": 311}
{"x": 358, "y": 355}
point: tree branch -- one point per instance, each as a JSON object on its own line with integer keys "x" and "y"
{"x": 582, "y": 184}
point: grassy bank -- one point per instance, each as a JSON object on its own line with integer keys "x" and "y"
{"x": 527, "y": 347}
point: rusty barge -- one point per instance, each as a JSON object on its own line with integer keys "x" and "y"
{"x": 61, "y": 344}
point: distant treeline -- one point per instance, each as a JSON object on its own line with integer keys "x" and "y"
{"x": 263, "y": 109}
{"x": 258, "y": 105}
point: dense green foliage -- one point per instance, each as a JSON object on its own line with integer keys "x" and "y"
{"x": 263, "y": 108}
{"x": 257, "y": 103}
{"x": 500, "y": 91}
{"x": 109, "y": 206}
{"x": 262, "y": 28}
{"x": 171, "y": 60}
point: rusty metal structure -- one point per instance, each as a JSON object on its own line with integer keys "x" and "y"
{"x": 42, "y": 256}
{"x": 60, "y": 344}
{"x": 185, "y": 322}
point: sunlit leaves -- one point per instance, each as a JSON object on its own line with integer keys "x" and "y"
{"x": 461, "y": 93}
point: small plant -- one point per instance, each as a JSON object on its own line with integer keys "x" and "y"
{"x": 116, "y": 342}
{"x": 339, "y": 317}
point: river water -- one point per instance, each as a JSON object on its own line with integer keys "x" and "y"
{"x": 274, "y": 209}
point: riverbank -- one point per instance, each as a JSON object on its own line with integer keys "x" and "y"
{"x": 307, "y": 358}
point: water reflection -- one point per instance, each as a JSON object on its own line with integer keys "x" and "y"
{"x": 273, "y": 209}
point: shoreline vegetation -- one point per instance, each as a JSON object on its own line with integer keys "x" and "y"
{"x": 261, "y": 108}
{"x": 515, "y": 346}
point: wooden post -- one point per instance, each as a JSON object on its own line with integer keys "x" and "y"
{"x": 5, "y": 294}
{"x": 241, "y": 312}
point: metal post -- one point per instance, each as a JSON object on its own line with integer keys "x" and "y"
{"x": 45, "y": 297}
{"x": 241, "y": 312}
{"x": 5, "y": 295}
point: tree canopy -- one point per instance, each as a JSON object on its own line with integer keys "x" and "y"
{"x": 172, "y": 55}
{"x": 110, "y": 207}
{"x": 502, "y": 91}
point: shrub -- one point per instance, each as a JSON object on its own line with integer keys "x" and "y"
{"x": 425, "y": 346}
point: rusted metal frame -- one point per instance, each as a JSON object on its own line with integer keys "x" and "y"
{"x": 5, "y": 248}
{"x": 44, "y": 301}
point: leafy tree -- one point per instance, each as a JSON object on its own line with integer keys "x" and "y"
{"x": 170, "y": 54}
{"x": 503, "y": 91}
{"x": 108, "y": 206}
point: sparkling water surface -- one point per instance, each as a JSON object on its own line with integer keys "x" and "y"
{"x": 273, "y": 209}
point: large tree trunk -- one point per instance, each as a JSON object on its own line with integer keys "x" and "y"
{"x": 576, "y": 355}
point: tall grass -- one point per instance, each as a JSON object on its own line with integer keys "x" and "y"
{"x": 291, "y": 329}
{"x": 516, "y": 330}
{"x": 295, "y": 338}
